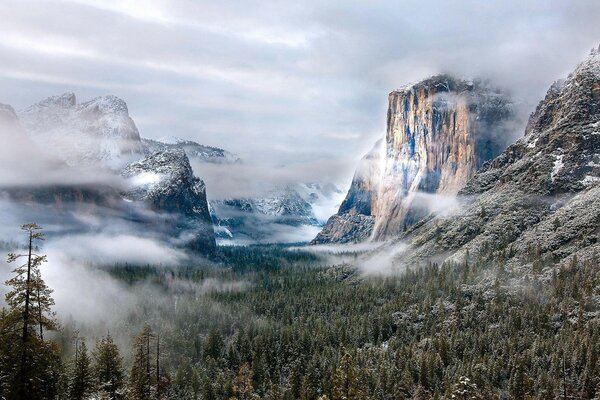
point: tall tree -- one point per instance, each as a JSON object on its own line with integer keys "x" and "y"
{"x": 346, "y": 384}
{"x": 81, "y": 384}
{"x": 141, "y": 377}
{"x": 29, "y": 313}
{"x": 108, "y": 369}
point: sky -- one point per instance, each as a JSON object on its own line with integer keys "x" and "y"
{"x": 300, "y": 84}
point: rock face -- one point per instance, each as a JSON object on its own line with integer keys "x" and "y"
{"x": 537, "y": 202}
{"x": 354, "y": 221}
{"x": 194, "y": 151}
{"x": 95, "y": 133}
{"x": 439, "y": 132}
{"x": 164, "y": 181}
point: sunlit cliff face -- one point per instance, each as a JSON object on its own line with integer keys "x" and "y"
{"x": 439, "y": 132}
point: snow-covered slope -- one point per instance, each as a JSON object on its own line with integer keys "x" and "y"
{"x": 194, "y": 151}
{"x": 98, "y": 133}
{"x": 290, "y": 214}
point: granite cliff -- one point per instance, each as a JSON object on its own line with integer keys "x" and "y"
{"x": 439, "y": 132}
{"x": 538, "y": 203}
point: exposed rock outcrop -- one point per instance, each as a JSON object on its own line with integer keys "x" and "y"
{"x": 354, "y": 220}
{"x": 194, "y": 151}
{"x": 439, "y": 132}
{"x": 164, "y": 181}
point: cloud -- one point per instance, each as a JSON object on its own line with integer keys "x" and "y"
{"x": 105, "y": 249}
{"x": 281, "y": 81}
{"x": 255, "y": 178}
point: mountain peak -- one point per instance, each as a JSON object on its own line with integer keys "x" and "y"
{"x": 108, "y": 104}
{"x": 65, "y": 100}
{"x": 95, "y": 133}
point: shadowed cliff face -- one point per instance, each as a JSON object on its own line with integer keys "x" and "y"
{"x": 439, "y": 132}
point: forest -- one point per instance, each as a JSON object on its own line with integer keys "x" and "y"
{"x": 269, "y": 322}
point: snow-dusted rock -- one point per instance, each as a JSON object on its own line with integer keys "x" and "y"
{"x": 97, "y": 133}
{"x": 164, "y": 181}
{"x": 194, "y": 151}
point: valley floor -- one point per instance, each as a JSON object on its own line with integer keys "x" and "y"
{"x": 275, "y": 324}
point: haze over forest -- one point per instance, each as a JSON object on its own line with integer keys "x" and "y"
{"x": 317, "y": 200}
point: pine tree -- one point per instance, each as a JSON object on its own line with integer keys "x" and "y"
{"x": 242, "y": 384}
{"x": 464, "y": 389}
{"x": 108, "y": 368}
{"x": 28, "y": 359}
{"x": 346, "y": 385}
{"x": 81, "y": 384}
{"x": 141, "y": 377}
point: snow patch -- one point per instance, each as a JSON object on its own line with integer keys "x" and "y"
{"x": 590, "y": 180}
{"x": 146, "y": 179}
{"x": 558, "y": 164}
{"x": 532, "y": 145}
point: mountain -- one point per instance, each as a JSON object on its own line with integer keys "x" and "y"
{"x": 194, "y": 151}
{"x": 164, "y": 182}
{"x": 439, "y": 132}
{"x": 88, "y": 159}
{"x": 95, "y": 133}
{"x": 538, "y": 202}
{"x": 260, "y": 219}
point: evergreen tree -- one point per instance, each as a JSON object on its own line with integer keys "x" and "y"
{"x": 346, "y": 385}
{"x": 464, "y": 389}
{"x": 141, "y": 377}
{"x": 30, "y": 364}
{"x": 108, "y": 369}
{"x": 242, "y": 384}
{"x": 81, "y": 384}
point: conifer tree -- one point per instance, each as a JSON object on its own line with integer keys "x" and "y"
{"x": 28, "y": 359}
{"x": 81, "y": 384}
{"x": 108, "y": 369}
{"x": 141, "y": 376}
{"x": 346, "y": 385}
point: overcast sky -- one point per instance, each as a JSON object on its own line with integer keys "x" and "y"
{"x": 286, "y": 82}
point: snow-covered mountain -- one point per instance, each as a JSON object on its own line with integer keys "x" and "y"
{"x": 98, "y": 132}
{"x": 194, "y": 151}
{"x": 156, "y": 196}
{"x": 288, "y": 214}
{"x": 164, "y": 181}
{"x": 99, "y": 137}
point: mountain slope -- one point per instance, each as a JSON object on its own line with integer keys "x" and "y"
{"x": 538, "y": 202}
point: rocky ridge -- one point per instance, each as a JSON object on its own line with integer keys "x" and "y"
{"x": 536, "y": 204}
{"x": 164, "y": 181}
{"x": 194, "y": 151}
